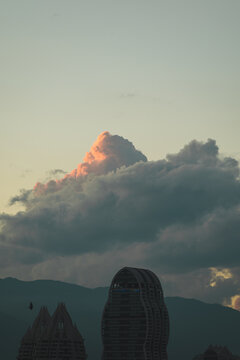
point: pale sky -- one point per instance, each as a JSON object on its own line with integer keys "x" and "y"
{"x": 159, "y": 73}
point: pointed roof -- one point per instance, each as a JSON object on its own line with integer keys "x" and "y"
{"x": 39, "y": 326}
{"x": 41, "y": 323}
{"x": 61, "y": 323}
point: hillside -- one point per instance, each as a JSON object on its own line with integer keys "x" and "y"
{"x": 193, "y": 324}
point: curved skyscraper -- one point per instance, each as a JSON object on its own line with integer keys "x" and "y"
{"x": 135, "y": 324}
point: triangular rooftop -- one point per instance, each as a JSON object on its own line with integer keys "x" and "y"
{"x": 41, "y": 323}
{"x": 61, "y": 324}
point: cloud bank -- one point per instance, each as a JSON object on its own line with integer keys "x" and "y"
{"x": 178, "y": 216}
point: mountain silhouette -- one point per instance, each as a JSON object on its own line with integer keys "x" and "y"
{"x": 193, "y": 324}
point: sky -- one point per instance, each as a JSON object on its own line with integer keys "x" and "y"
{"x": 160, "y": 81}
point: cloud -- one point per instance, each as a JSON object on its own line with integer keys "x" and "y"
{"x": 212, "y": 240}
{"x": 196, "y": 284}
{"x": 219, "y": 274}
{"x": 235, "y": 302}
{"x": 179, "y": 216}
{"x": 108, "y": 153}
{"x": 55, "y": 172}
{"x": 23, "y": 197}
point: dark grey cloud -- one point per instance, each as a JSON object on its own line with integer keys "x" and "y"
{"x": 179, "y": 215}
{"x": 168, "y": 203}
{"x": 55, "y": 172}
{"x": 23, "y": 197}
{"x": 197, "y": 284}
{"x": 213, "y": 240}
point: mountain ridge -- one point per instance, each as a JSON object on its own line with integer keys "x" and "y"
{"x": 194, "y": 324}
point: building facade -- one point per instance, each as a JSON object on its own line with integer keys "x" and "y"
{"x": 53, "y": 337}
{"x": 135, "y": 323}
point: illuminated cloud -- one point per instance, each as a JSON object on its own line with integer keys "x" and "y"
{"x": 178, "y": 216}
{"x": 235, "y": 302}
{"x": 108, "y": 153}
{"x": 219, "y": 274}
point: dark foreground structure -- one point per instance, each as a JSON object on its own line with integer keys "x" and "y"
{"x": 52, "y": 338}
{"x": 135, "y": 324}
{"x": 217, "y": 352}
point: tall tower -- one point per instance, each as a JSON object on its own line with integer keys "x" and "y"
{"x": 135, "y": 324}
{"x": 34, "y": 335}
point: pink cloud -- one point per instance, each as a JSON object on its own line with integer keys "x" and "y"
{"x": 108, "y": 153}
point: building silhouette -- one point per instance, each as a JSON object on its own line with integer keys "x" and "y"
{"x": 52, "y": 338}
{"x": 210, "y": 354}
{"x": 217, "y": 352}
{"x": 135, "y": 324}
